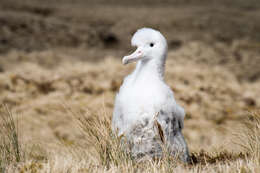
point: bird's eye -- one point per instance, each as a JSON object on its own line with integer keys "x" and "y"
{"x": 151, "y": 44}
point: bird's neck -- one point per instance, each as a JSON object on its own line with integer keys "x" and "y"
{"x": 150, "y": 69}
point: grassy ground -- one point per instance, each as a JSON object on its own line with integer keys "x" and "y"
{"x": 104, "y": 152}
{"x": 64, "y": 115}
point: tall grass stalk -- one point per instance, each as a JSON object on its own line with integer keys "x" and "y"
{"x": 249, "y": 137}
{"x": 10, "y": 150}
{"x": 99, "y": 135}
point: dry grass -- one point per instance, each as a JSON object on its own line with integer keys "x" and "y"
{"x": 10, "y": 149}
{"x": 64, "y": 114}
{"x": 249, "y": 136}
{"x": 106, "y": 153}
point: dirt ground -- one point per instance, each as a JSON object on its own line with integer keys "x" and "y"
{"x": 64, "y": 54}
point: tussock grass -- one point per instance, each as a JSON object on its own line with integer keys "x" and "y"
{"x": 10, "y": 149}
{"x": 249, "y": 137}
{"x": 111, "y": 156}
{"x": 99, "y": 135}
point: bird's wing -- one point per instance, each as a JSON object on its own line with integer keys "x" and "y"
{"x": 172, "y": 122}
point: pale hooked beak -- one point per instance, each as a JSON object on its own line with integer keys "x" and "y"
{"x": 133, "y": 57}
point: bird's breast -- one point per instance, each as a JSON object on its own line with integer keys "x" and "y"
{"x": 142, "y": 102}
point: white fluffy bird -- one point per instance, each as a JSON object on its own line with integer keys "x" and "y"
{"x": 145, "y": 111}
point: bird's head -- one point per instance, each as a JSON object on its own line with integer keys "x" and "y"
{"x": 150, "y": 44}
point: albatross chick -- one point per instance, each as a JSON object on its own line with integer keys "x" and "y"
{"x": 145, "y": 111}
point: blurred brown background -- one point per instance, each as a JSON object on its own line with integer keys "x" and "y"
{"x": 38, "y": 25}
{"x": 94, "y": 25}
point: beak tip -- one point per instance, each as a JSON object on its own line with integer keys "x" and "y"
{"x": 124, "y": 61}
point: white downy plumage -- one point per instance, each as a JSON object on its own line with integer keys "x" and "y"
{"x": 145, "y": 100}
